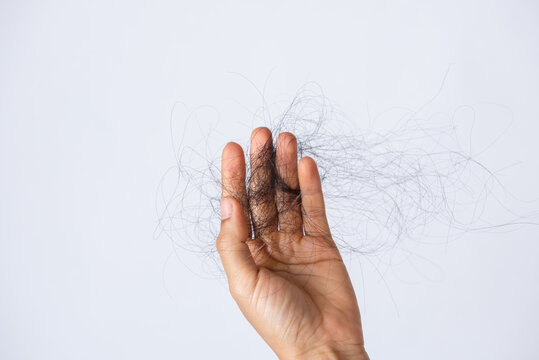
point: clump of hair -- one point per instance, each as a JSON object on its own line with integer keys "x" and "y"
{"x": 411, "y": 180}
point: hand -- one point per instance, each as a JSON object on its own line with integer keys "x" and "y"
{"x": 288, "y": 279}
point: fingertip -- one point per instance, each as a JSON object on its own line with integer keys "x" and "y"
{"x": 287, "y": 147}
{"x": 307, "y": 166}
{"x": 261, "y": 131}
{"x": 232, "y": 162}
{"x": 309, "y": 178}
{"x": 232, "y": 149}
{"x": 260, "y": 137}
{"x": 286, "y": 139}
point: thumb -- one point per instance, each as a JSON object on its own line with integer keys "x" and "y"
{"x": 236, "y": 257}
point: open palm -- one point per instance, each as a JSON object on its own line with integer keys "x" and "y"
{"x": 283, "y": 268}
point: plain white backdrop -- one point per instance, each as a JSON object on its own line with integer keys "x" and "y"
{"x": 86, "y": 90}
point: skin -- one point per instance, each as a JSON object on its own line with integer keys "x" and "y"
{"x": 288, "y": 279}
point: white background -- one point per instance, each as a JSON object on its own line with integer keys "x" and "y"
{"x": 86, "y": 90}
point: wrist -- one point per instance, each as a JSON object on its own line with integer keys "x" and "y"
{"x": 356, "y": 352}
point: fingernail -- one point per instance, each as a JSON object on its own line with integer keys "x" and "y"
{"x": 226, "y": 208}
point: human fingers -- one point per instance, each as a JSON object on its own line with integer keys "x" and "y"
{"x": 312, "y": 200}
{"x": 233, "y": 177}
{"x": 261, "y": 184}
{"x": 287, "y": 193}
{"x": 239, "y": 265}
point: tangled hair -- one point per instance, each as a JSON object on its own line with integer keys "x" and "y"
{"x": 411, "y": 180}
